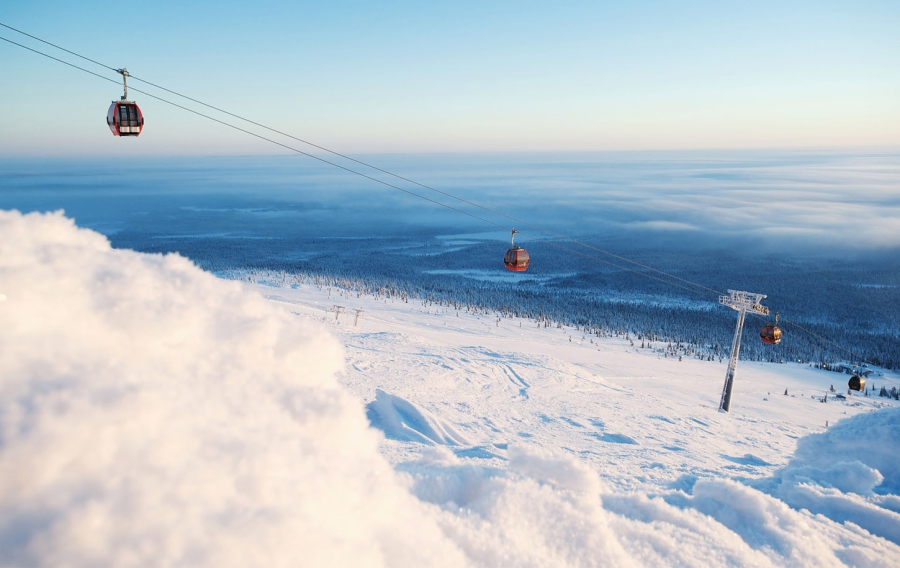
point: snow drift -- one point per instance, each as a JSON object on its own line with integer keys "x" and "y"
{"x": 399, "y": 419}
{"x": 859, "y": 449}
{"x": 154, "y": 415}
{"x": 151, "y": 414}
{"x": 849, "y": 473}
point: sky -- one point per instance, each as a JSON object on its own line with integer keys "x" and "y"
{"x": 381, "y": 77}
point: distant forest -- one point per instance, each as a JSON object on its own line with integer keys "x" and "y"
{"x": 853, "y": 306}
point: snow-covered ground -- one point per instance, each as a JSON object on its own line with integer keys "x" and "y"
{"x": 479, "y": 382}
{"x": 152, "y": 414}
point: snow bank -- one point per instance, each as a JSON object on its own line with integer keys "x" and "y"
{"x": 541, "y": 511}
{"x": 838, "y": 473}
{"x": 729, "y": 523}
{"x": 151, "y": 415}
{"x": 546, "y": 510}
{"x": 855, "y": 455}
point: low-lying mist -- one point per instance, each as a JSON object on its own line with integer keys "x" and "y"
{"x": 781, "y": 202}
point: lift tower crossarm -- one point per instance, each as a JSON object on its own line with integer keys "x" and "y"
{"x": 743, "y": 302}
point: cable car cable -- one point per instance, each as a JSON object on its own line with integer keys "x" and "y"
{"x": 350, "y": 170}
{"x": 376, "y": 168}
{"x": 545, "y": 241}
{"x": 817, "y": 336}
{"x": 57, "y": 47}
{"x": 566, "y": 249}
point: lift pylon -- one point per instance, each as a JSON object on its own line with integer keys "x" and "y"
{"x": 743, "y": 302}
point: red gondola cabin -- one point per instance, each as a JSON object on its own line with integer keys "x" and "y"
{"x": 771, "y": 334}
{"x": 124, "y": 117}
{"x": 516, "y": 258}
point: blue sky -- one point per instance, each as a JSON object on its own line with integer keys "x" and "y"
{"x": 462, "y": 77}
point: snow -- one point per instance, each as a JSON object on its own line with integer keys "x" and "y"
{"x": 153, "y": 414}
{"x": 833, "y": 473}
{"x": 400, "y": 420}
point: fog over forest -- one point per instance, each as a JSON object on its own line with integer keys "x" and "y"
{"x": 818, "y": 232}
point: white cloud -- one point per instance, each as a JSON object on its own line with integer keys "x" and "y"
{"x": 663, "y": 225}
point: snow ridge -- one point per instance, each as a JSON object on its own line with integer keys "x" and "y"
{"x": 401, "y": 420}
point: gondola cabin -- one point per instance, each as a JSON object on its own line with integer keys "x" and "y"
{"x": 857, "y": 383}
{"x": 125, "y": 119}
{"x": 516, "y": 258}
{"x": 771, "y": 334}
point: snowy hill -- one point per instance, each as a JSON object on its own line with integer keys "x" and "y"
{"x": 153, "y": 414}
{"x": 638, "y": 417}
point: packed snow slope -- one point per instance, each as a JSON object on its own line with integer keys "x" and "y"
{"x": 153, "y": 414}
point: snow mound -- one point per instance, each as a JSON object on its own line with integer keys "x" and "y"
{"x": 837, "y": 474}
{"x": 153, "y": 415}
{"x": 775, "y": 534}
{"x": 401, "y": 420}
{"x": 543, "y": 510}
{"x": 855, "y": 455}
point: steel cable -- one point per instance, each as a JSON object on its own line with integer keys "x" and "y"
{"x": 695, "y": 285}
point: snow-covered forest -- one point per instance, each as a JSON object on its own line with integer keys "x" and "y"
{"x": 853, "y": 303}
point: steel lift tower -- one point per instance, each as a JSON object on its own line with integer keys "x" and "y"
{"x": 743, "y": 302}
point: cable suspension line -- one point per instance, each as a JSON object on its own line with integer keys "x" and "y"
{"x": 350, "y": 170}
{"x": 794, "y": 324}
{"x": 381, "y": 170}
{"x": 695, "y": 287}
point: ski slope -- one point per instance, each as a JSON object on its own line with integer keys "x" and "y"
{"x": 643, "y": 421}
{"x": 474, "y": 385}
{"x": 153, "y": 414}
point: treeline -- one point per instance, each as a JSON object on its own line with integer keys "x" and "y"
{"x": 849, "y": 310}
{"x": 691, "y": 330}
{"x": 893, "y": 393}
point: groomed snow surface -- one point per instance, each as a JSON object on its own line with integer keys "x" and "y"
{"x": 152, "y": 414}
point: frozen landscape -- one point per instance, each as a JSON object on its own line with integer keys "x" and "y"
{"x": 153, "y": 413}
{"x": 424, "y": 284}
